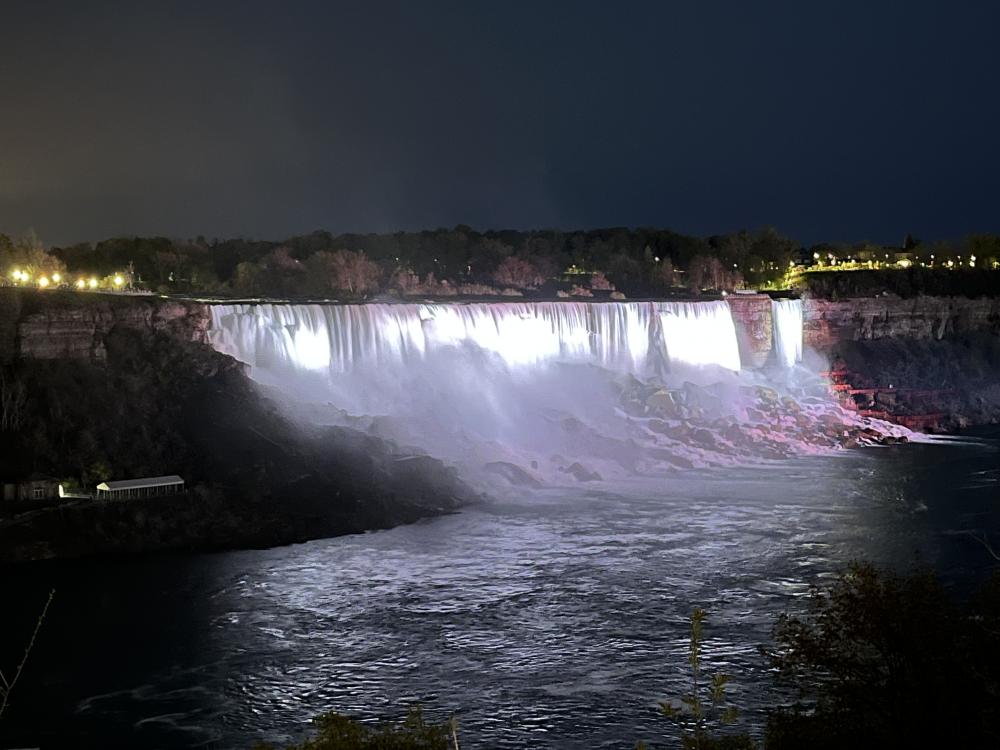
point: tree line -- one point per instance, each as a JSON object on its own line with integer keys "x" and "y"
{"x": 461, "y": 260}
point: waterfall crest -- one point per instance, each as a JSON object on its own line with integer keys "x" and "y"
{"x": 630, "y": 337}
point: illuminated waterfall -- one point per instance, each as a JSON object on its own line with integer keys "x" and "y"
{"x": 786, "y": 315}
{"x": 630, "y": 337}
{"x": 701, "y": 333}
{"x": 559, "y": 390}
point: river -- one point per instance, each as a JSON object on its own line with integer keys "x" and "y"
{"x": 551, "y": 621}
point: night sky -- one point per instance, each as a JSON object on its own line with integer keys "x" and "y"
{"x": 831, "y": 121}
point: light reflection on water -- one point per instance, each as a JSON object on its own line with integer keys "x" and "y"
{"x": 551, "y": 621}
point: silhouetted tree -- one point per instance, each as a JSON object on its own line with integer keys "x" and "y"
{"x": 249, "y": 278}
{"x": 886, "y": 661}
{"x": 661, "y": 276}
{"x": 348, "y": 271}
{"x": 706, "y": 272}
{"x": 518, "y": 273}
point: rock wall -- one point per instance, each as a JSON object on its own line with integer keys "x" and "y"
{"x": 754, "y": 329}
{"x": 65, "y": 325}
{"x": 934, "y": 362}
{"x": 829, "y": 322}
{"x": 58, "y": 325}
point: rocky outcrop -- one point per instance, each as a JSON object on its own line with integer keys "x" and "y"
{"x": 754, "y": 328}
{"x": 826, "y": 323}
{"x": 64, "y": 325}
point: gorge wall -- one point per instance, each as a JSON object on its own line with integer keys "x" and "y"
{"x": 827, "y": 323}
{"x": 55, "y": 325}
{"x": 932, "y": 363}
{"x": 67, "y": 325}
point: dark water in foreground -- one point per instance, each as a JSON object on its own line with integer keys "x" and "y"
{"x": 551, "y": 622}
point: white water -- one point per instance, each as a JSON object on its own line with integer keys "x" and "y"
{"x": 786, "y": 316}
{"x": 700, "y": 334}
{"x": 616, "y": 388}
{"x": 629, "y": 337}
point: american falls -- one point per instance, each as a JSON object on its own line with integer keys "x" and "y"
{"x": 540, "y": 393}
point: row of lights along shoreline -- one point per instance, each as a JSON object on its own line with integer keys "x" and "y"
{"x": 56, "y": 281}
{"x": 850, "y": 263}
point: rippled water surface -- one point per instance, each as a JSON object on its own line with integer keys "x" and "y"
{"x": 554, "y": 621}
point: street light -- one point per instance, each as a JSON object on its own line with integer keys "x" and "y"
{"x": 118, "y": 280}
{"x": 43, "y": 281}
{"x": 93, "y": 283}
{"x": 56, "y": 277}
{"x": 80, "y": 283}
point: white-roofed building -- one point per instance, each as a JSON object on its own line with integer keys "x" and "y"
{"x": 130, "y": 489}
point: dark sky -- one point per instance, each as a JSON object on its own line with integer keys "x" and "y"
{"x": 831, "y": 121}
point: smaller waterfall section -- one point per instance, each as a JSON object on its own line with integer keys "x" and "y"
{"x": 786, "y": 315}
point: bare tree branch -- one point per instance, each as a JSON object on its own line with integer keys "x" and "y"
{"x": 984, "y": 540}
{"x": 9, "y": 686}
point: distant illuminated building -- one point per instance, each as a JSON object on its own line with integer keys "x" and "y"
{"x": 134, "y": 489}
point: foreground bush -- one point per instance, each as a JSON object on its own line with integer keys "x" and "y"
{"x": 338, "y": 732}
{"x": 702, "y": 715}
{"x": 887, "y": 661}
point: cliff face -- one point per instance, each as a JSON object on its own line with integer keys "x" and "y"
{"x": 754, "y": 329}
{"x": 55, "y": 325}
{"x": 938, "y": 356}
{"x": 65, "y": 325}
{"x": 827, "y": 323}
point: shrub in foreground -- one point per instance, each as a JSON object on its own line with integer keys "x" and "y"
{"x": 338, "y": 732}
{"x": 885, "y": 661}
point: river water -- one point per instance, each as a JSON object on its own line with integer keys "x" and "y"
{"x": 554, "y": 621}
